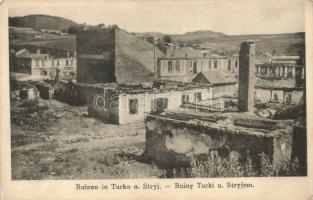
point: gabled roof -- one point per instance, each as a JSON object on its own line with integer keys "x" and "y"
{"x": 216, "y": 77}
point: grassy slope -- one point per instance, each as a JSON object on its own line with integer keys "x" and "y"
{"x": 265, "y": 43}
{"x": 221, "y": 42}
{"x": 38, "y": 22}
{"x": 57, "y": 42}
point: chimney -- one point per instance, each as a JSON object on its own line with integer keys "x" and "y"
{"x": 246, "y": 76}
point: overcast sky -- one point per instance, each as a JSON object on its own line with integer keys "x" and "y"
{"x": 242, "y": 17}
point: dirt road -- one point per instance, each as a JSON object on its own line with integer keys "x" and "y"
{"x": 79, "y": 147}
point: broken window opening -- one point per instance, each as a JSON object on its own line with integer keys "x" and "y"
{"x": 133, "y": 106}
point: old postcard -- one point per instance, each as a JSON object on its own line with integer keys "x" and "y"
{"x": 156, "y": 99}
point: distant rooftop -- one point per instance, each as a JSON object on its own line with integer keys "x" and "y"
{"x": 217, "y": 77}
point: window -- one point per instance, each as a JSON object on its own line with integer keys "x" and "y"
{"x": 185, "y": 99}
{"x": 288, "y": 97}
{"x": 37, "y": 63}
{"x": 58, "y": 63}
{"x": 236, "y": 63}
{"x": 52, "y": 62}
{"x": 190, "y": 66}
{"x": 72, "y": 62}
{"x": 198, "y": 96}
{"x": 133, "y": 106}
{"x": 194, "y": 67}
{"x": 229, "y": 65}
{"x": 298, "y": 74}
{"x": 215, "y": 64}
{"x": 66, "y": 62}
{"x": 43, "y": 62}
{"x": 169, "y": 65}
{"x": 275, "y": 97}
{"x": 272, "y": 72}
{"x": 177, "y": 66}
{"x": 210, "y": 64}
{"x": 43, "y": 73}
{"x": 289, "y": 72}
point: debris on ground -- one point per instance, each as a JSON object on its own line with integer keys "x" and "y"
{"x": 36, "y": 118}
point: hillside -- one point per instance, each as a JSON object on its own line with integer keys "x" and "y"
{"x": 41, "y": 22}
{"x": 24, "y": 38}
{"x": 197, "y": 36}
{"x": 63, "y": 43}
{"x": 272, "y": 43}
{"x": 186, "y": 37}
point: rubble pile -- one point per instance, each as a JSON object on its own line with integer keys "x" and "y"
{"x": 280, "y": 111}
{"x": 36, "y": 118}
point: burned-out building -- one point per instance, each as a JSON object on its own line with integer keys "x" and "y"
{"x": 281, "y": 67}
{"x": 280, "y": 80}
{"x": 279, "y": 91}
{"x": 43, "y": 64}
{"x": 107, "y": 55}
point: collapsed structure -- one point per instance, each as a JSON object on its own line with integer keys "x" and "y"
{"x": 120, "y": 70}
{"x": 43, "y": 65}
{"x": 123, "y": 104}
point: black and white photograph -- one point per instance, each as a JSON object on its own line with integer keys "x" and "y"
{"x": 158, "y": 90}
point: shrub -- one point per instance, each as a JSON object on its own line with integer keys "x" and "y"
{"x": 231, "y": 167}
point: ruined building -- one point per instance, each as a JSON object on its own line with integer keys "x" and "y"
{"x": 174, "y": 137}
{"x": 107, "y": 55}
{"x": 118, "y": 70}
{"x": 43, "y": 65}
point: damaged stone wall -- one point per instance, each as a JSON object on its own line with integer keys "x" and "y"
{"x": 171, "y": 142}
{"x": 103, "y": 104}
{"x": 145, "y": 102}
{"x": 96, "y": 56}
{"x": 118, "y": 103}
{"x": 71, "y": 93}
{"x": 266, "y": 95}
